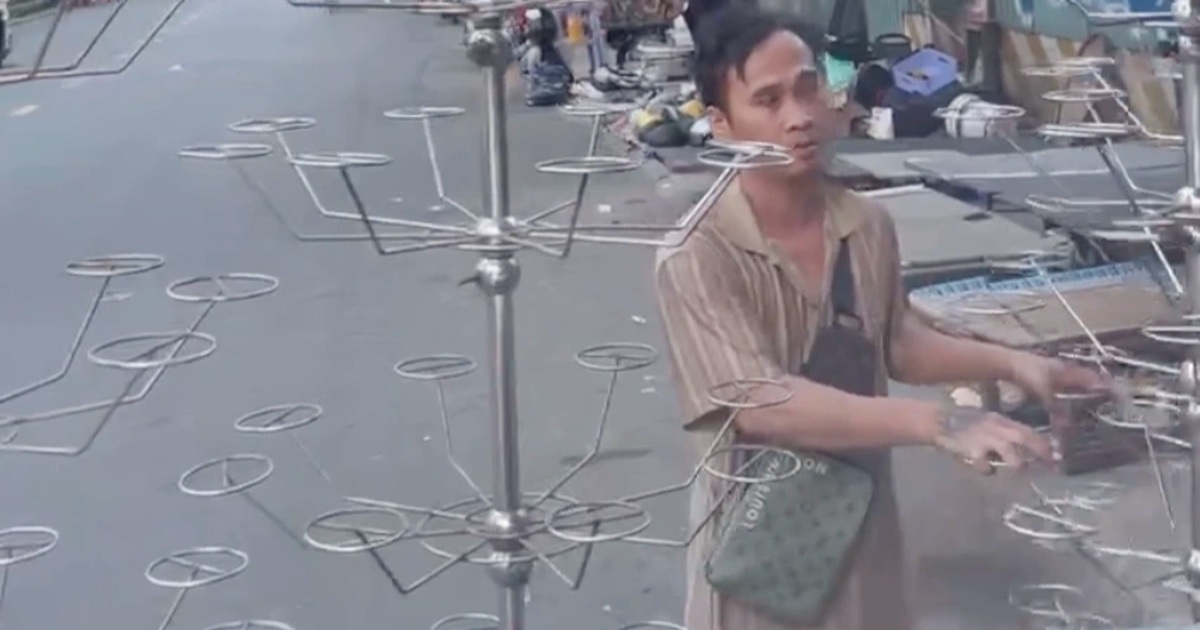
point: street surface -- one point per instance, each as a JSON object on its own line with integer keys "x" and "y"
{"x": 89, "y": 167}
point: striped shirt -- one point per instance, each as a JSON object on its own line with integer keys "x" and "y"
{"x": 734, "y": 307}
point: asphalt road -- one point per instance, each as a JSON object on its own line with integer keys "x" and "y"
{"x": 89, "y": 167}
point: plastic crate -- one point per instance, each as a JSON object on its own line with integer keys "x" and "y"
{"x": 925, "y": 72}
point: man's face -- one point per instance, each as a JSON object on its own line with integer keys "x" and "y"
{"x": 779, "y": 98}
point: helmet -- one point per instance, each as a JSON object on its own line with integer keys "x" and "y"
{"x": 541, "y": 27}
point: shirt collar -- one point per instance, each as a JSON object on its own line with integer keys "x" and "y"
{"x": 843, "y": 215}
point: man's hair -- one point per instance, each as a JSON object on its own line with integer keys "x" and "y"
{"x": 727, "y": 37}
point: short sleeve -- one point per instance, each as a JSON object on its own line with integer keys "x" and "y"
{"x": 893, "y": 276}
{"x": 713, "y": 333}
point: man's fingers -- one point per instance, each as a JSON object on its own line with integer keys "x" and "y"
{"x": 1080, "y": 378}
{"x": 1022, "y": 436}
{"x": 981, "y": 460}
{"x": 1010, "y": 455}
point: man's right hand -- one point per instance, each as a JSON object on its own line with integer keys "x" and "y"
{"x": 985, "y": 439}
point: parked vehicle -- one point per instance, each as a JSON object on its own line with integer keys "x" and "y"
{"x": 5, "y": 31}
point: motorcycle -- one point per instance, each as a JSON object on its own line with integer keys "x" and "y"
{"x": 5, "y": 31}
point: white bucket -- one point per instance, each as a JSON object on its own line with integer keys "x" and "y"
{"x": 973, "y": 117}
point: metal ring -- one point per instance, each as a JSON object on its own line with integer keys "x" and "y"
{"x": 594, "y": 506}
{"x": 226, "y": 151}
{"x": 242, "y": 558}
{"x": 1176, "y": 335}
{"x": 1032, "y": 303}
{"x": 587, "y": 165}
{"x": 663, "y": 625}
{"x": 1167, "y": 397}
{"x": 1153, "y": 223}
{"x": 1047, "y": 203}
{"x": 115, "y": 265}
{"x": 444, "y": 622}
{"x": 797, "y": 463}
{"x": 1190, "y": 219}
{"x": 1089, "y": 621}
{"x": 272, "y": 125}
{"x": 1088, "y": 62}
{"x": 1162, "y": 404}
{"x": 237, "y": 487}
{"x": 595, "y": 108}
{"x": 1031, "y": 261}
{"x": 1057, "y": 72}
{"x": 1087, "y": 130}
{"x": 283, "y": 411}
{"x": 1087, "y": 353}
{"x": 616, "y": 357}
{"x": 435, "y": 367}
{"x": 435, "y": 7}
{"x": 740, "y": 160}
{"x": 1018, "y": 595}
{"x": 359, "y": 544}
{"x": 746, "y": 147}
{"x": 992, "y": 111}
{"x": 251, "y": 624}
{"x": 653, "y": 50}
{"x": 1124, "y": 236}
{"x": 743, "y": 388}
{"x": 1083, "y": 95}
{"x": 422, "y": 113}
{"x": 1111, "y": 419}
{"x": 167, "y": 338}
{"x": 1080, "y": 396}
{"x": 31, "y": 551}
{"x": 1108, "y": 492}
{"x": 341, "y": 159}
{"x": 1069, "y": 530}
{"x": 271, "y": 282}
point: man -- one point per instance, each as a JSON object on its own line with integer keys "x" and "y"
{"x": 751, "y": 293}
{"x": 547, "y": 74}
{"x": 696, "y": 12}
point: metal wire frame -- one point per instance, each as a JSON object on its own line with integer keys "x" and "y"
{"x": 40, "y": 72}
{"x": 22, "y": 544}
{"x": 476, "y": 233}
{"x": 1178, "y": 388}
{"x": 572, "y": 524}
{"x": 147, "y": 366}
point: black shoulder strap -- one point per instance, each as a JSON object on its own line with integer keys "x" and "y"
{"x": 843, "y": 282}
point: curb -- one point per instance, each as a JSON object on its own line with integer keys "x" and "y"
{"x": 23, "y": 11}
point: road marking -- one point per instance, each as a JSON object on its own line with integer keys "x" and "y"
{"x": 24, "y": 110}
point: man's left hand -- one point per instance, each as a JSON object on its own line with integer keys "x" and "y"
{"x": 1044, "y": 377}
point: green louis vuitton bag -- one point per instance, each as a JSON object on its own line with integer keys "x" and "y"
{"x": 784, "y": 547}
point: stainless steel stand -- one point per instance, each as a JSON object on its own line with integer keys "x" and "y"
{"x": 1187, "y": 15}
{"x": 510, "y": 529}
{"x": 497, "y": 275}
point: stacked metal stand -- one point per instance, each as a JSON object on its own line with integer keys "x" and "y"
{"x": 511, "y": 529}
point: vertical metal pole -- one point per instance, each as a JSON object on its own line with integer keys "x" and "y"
{"x": 1186, "y": 12}
{"x": 497, "y": 275}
